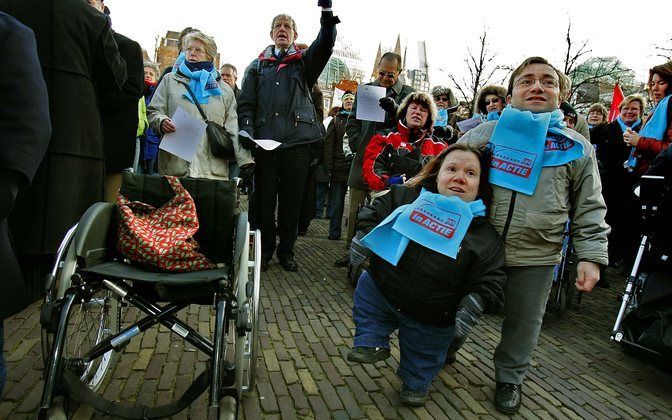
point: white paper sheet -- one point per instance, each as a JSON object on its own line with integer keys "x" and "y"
{"x": 184, "y": 142}
{"x": 367, "y": 103}
{"x": 266, "y": 144}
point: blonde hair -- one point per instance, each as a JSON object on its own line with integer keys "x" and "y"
{"x": 210, "y": 45}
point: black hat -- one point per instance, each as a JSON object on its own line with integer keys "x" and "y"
{"x": 568, "y": 110}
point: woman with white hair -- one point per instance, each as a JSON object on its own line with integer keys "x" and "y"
{"x": 214, "y": 96}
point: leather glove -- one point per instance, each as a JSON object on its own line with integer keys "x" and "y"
{"x": 443, "y": 132}
{"x": 469, "y": 312}
{"x": 358, "y": 252}
{"x": 247, "y": 178}
{"x": 395, "y": 180}
{"x": 324, "y": 3}
{"x": 388, "y": 105}
{"x": 246, "y": 142}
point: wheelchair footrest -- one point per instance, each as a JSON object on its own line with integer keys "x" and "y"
{"x": 83, "y": 394}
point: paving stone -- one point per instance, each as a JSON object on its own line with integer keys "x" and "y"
{"x": 306, "y": 330}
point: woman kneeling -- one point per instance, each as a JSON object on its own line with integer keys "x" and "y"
{"x": 436, "y": 266}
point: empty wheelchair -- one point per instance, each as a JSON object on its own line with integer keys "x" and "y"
{"x": 92, "y": 288}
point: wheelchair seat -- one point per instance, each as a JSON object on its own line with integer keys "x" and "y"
{"x": 91, "y": 284}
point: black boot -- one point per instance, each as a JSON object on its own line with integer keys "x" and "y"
{"x": 508, "y": 397}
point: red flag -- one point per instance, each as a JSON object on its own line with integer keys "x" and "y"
{"x": 615, "y": 102}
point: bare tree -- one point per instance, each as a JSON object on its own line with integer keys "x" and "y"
{"x": 665, "y": 51}
{"x": 481, "y": 69}
{"x": 593, "y": 76}
{"x": 572, "y": 53}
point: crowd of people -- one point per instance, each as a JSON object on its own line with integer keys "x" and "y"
{"x": 514, "y": 167}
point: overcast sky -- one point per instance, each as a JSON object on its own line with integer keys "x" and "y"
{"x": 516, "y": 29}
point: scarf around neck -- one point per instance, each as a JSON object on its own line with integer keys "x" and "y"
{"x": 433, "y": 220}
{"x": 523, "y": 143}
{"x": 624, "y": 126}
{"x": 655, "y": 127}
{"x": 202, "y": 80}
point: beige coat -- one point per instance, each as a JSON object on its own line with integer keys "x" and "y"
{"x": 220, "y": 109}
{"x": 536, "y": 223}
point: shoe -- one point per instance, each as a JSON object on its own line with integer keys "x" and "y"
{"x": 342, "y": 262}
{"x": 451, "y": 358}
{"x": 334, "y": 238}
{"x": 412, "y": 397}
{"x": 508, "y": 397}
{"x": 264, "y": 265}
{"x": 289, "y": 265}
{"x": 368, "y": 355}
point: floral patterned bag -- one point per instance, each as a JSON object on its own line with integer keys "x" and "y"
{"x": 161, "y": 238}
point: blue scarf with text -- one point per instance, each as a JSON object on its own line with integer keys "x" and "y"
{"x": 433, "y": 220}
{"x": 523, "y": 143}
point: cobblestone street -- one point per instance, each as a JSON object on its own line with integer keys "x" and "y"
{"x": 306, "y": 330}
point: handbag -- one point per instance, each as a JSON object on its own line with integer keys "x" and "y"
{"x": 161, "y": 238}
{"x": 220, "y": 141}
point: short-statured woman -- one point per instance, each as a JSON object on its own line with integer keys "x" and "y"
{"x": 215, "y": 97}
{"x": 657, "y": 132}
{"x": 430, "y": 296}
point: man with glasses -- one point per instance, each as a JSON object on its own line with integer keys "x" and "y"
{"x": 541, "y": 171}
{"x": 275, "y": 103}
{"x": 360, "y": 132}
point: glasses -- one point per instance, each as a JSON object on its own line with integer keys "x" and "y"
{"x": 199, "y": 51}
{"x": 526, "y": 82}
{"x": 391, "y": 75}
{"x": 441, "y": 98}
{"x": 493, "y": 101}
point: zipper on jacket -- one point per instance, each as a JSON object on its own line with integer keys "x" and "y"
{"x": 512, "y": 204}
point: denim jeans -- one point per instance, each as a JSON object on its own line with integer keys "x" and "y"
{"x": 423, "y": 347}
{"x": 3, "y": 366}
{"x": 338, "y": 190}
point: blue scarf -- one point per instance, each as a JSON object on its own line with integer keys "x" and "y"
{"x": 624, "y": 126}
{"x": 654, "y": 128}
{"x": 492, "y": 116}
{"x": 433, "y": 220}
{"x": 523, "y": 143}
{"x": 202, "y": 80}
{"x": 441, "y": 118}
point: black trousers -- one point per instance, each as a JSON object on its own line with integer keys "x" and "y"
{"x": 280, "y": 181}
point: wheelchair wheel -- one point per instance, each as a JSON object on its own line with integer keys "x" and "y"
{"x": 94, "y": 316}
{"x": 246, "y": 337}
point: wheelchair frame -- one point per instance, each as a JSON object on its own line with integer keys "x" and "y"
{"x": 72, "y": 295}
{"x": 563, "y": 290}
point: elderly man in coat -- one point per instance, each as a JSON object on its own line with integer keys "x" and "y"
{"x": 275, "y": 103}
{"x": 24, "y": 136}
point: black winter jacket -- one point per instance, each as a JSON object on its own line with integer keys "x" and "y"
{"x": 275, "y": 99}
{"x": 427, "y": 286}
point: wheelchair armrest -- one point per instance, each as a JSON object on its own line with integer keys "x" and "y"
{"x": 241, "y": 240}
{"x": 92, "y": 238}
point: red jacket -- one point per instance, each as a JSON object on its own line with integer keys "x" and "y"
{"x": 391, "y": 153}
{"x": 648, "y": 148}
